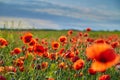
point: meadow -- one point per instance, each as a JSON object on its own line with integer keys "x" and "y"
{"x": 59, "y": 55}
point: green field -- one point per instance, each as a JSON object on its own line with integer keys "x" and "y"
{"x": 31, "y": 73}
{"x": 13, "y": 35}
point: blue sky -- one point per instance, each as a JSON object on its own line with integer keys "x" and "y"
{"x": 61, "y": 14}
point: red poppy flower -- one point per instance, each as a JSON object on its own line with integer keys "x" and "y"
{"x": 88, "y": 29}
{"x": 32, "y": 42}
{"x": 19, "y": 62}
{"x": 44, "y": 42}
{"x": 91, "y": 71}
{"x": 69, "y": 54}
{"x": 115, "y": 44}
{"x": 90, "y": 40}
{"x": 104, "y": 77}
{"x": 46, "y": 54}
{"x": 103, "y": 56}
{"x": 55, "y": 45}
{"x": 99, "y": 41}
{"x": 61, "y": 51}
{"x": 39, "y": 50}
{"x": 17, "y": 51}
{"x": 75, "y": 58}
{"x": 27, "y": 37}
{"x": 63, "y": 39}
{"x": 53, "y": 56}
{"x": 78, "y": 64}
{"x": 70, "y": 32}
{"x": 21, "y": 68}
{"x": 80, "y": 34}
{"x": 85, "y": 34}
{"x": 3, "y": 42}
{"x": 30, "y": 49}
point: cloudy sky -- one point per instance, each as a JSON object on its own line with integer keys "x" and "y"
{"x": 60, "y": 14}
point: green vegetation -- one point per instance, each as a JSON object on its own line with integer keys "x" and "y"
{"x": 13, "y": 38}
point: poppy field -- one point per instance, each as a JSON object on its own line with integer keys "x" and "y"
{"x": 59, "y": 55}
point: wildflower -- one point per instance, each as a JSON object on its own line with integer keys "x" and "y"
{"x": 90, "y": 40}
{"x": 32, "y": 42}
{"x": 107, "y": 41}
{"x": 55, "y": 45}
{"x": 73, "y": 40}
{"x": 2, "y": 77}
{"x": 46, "y": 54}
{"x": 44, "y": 65}
{"x": 44, "y": 42}
{"x": 21, "y": 68}
{"x": 50, "y": 79}
{"x": 91, "y": 71}
{"x": 63, "y": 39}
{"x": 10, "y": 69}
{"x": 30, "y": 49}
{"x": 99, "y": 41}
{"x": 104, "y": 77}
{"x": 18, "y": 62}
{"x": 115, "y": 44}
{"x": 69, "y": 54}
{"x": 78, "y": 64}
{"x": 85, "y": 34}
{"x": 2, "y": 69}
{"x": 77, "y": 51}
{"x": 16, "y": 51}
{"x": 80, "y": 34}
{"x": 88, "y": 29}
{"x": 62, "y": 65}
{"x": 39, "y": 49}
{"x": 37, "y": 39}
{"x": 53, "y": 56}
{"x": 61, "y": 51}
{"x": 27, "y": 37}
{"x": 3, "y": 43}
{"x": 75, "y": 58}
{"x": 103, "y": 56}
{"x": 69, "y": 32}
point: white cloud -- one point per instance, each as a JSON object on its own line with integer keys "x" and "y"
{"x": 92, "y": 14}
{"x": 43, "y": 24}
{"x": 97, "y": 13}
{"x": 26, "y": 23}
